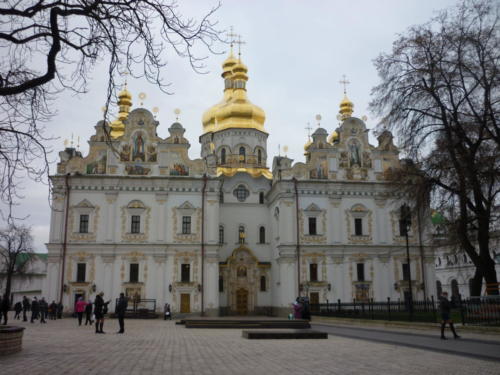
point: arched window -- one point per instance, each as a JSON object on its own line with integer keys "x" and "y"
{"x": 241, "y": 234}
{"x": 455, "y": 292}
{"x": 262, "y": 235}
{"x": 259, "y": 157}
{"x": 223, "y": 156}
{"x": 262, "y": 283}
{"x": 439, "y": 288}
{"x": 221, "y": 234}
{"x": 242, "y": 154}
{"x": 261, "y": 197}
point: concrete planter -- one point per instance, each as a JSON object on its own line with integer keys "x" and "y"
{"x": 11, "y": 339}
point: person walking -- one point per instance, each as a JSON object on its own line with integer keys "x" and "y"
{"x": 53, "y": 310}
{"x": 4, "y": 309}
{"x": 60, "y": 309}
{"x": 445, "y": 308}
{"x": 18, "y": 307}
{"x": 88, "y": 313}
{"x": 121, "y": 307}
{"x": 167, "y": 313}
{"x": 100, "y": 309}
{"x": 80, "y": 309}
{"x": 35, "y": 309}
{"x": 44, "y": 310}
{"x": 26, "y": 308}
{"x": 297, "y": 309}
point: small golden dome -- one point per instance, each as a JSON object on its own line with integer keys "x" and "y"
{"x": 334, "y": 137}
{"x": 346, "y": 108}
{"x": 117, "y": 129}
{"x": 307, "y": 145}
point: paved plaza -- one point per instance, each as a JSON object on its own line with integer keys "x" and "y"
{"x": 161, "y": 347}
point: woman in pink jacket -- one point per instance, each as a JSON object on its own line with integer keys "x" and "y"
{"x": 80, "y": 309}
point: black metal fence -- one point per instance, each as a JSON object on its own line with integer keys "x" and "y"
{"x": 140, "y": 306}
{"x": 474, "y": 311}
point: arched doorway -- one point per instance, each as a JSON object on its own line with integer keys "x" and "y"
{"x": 439, "y": 288}
{"x": 242, "y": 301}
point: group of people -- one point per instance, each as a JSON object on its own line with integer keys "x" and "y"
{"x": 99, "y": 309}
{"x": 300, "y": 309}
{"x": 40, "y": 309}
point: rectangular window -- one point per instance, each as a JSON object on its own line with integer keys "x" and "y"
{"x": 406, "y": 272}
{"x": 261, "y": 197}
{"x": 186, "y": 225}
{"x": 84, "y": 223}
{"x": 135, "y": 226}
{"x": 313, "y": 272}
{"x": 358, "y": 227}
{"x": 312, "y": 226}
{"x": 361, "y": 271}
{"x": 80, "y": 272}
{"x": 134, "y": 272}
{"x": 221, "y": 234}
{"x": 185, "y": 272}
{"x": 221, "y": 284}
{"x": 262, "y": 283}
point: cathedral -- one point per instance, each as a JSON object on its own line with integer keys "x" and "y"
{"x": 233, "y": 232}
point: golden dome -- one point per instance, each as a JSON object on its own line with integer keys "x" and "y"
{"x": 346, "y": 108}
{"x": 117, "y": 129}
{"x": 307, "y": 145}
{"x": 235, "y": 110}
{"x": 334, "y": 137}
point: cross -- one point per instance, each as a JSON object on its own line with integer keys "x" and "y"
{"x": 344, "y": 82}
{"x": 232, "y": 36}
{"x": 308, "y": 128}
{"x": 239, "y": 42}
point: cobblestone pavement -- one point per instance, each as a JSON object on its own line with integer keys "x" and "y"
{"x": 161, "y": 347}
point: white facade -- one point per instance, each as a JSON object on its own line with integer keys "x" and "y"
{"x": 142, "y": 218}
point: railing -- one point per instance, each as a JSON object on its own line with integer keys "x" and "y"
{"x": 140, "y": 306}
{"x": 473, "y": 311}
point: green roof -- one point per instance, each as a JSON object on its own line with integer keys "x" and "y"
{"x": 437, "y": 218}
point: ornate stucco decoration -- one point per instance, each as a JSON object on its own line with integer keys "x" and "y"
{"x": 186, "y": 209}
{"x": 395, "y": 229}
{"x": 83, "y": 208}
{"x": 135, "y": 207}
{"x": 320, "y": 215}
{"x": 359, "y": 211}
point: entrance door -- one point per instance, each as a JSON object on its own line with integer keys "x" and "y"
{"x": 314, "y": 301}
{"x": 242, "y": 301}
{"x": 185, "y": 303}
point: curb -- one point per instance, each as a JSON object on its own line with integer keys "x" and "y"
{"x": 491, "y": 330}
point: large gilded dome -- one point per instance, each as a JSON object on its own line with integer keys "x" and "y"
{"x": 235, "y": 110}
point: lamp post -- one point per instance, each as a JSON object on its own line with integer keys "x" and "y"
{"x": 405, "y": 216}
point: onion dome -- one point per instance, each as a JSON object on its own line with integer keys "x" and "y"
{"x": 235, "y": 110}
{"x": 346, "y": 108}
{"x": 208, "y": 119}
{"x": 334, "y": 137}
{"x": 124, "y": 104}
{"x": 307, "y": 145}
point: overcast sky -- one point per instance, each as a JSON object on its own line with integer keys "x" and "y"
{"x": 296, "y": 53}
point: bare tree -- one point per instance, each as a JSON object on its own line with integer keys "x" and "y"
{"x": 16, "y": 253}
{"x": 47, "y": 47}
{"x": 440, "y": 91}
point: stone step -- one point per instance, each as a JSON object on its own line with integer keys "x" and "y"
{"x": 246, "y": 323}
{"x": 284, "y": 334}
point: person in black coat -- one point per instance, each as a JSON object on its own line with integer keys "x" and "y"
{"x": 26, "y": 308}
{"x": 53, "y": 310}
{"x": 44, "y": 310}
{"x": 88, "y": 313}
{"x": 18, "y": 307}
{"x": 35, "y": 309}
{"x": 445, "y": 308}
{"x": 121, "y": 307}
{"x": 100, "y": 309}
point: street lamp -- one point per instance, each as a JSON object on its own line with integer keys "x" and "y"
{"x": 405, "y": 217}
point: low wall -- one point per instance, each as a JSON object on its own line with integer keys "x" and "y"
{"x": 11, "y": 339}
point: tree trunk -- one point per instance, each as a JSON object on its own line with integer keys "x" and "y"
{"x": 477, "y": 283}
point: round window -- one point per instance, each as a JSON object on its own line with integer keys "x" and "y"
{"x": 241, "y": 193}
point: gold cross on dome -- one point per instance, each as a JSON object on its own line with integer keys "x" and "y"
{"x": 344, "y": 82}
{"x": 239, "y": 42}
{"x": 308, "y": 128}
{"x": 232, "y": 37}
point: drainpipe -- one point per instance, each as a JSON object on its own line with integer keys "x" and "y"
{"x": 421, "y": 252}
{"x": 66, "y": 214}
{"x": 203, "y": 243}
{"x": 295, "y": 182}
